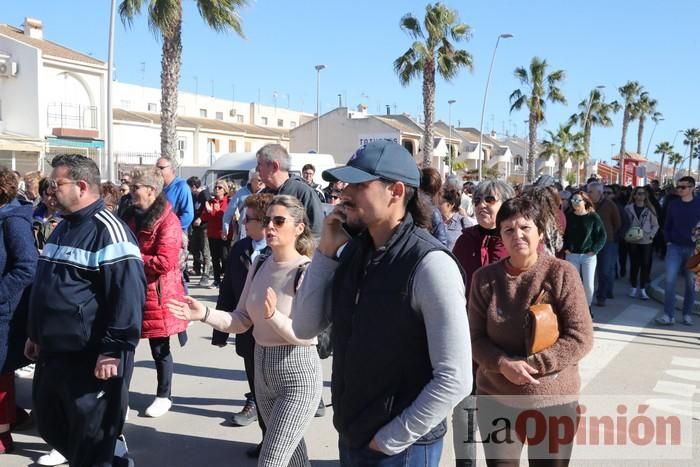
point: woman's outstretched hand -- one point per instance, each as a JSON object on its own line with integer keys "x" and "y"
{"x": 188, "y": 309}
{"x": 518, "y": 372}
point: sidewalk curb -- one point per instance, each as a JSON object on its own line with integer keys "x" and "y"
{"x": 657, "y": 292}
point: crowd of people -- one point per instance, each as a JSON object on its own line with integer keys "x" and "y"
{"x": 418, "y": 286}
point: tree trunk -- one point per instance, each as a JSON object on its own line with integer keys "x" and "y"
{"x": 169, "y": 79}
{"x": 587, "y": 140}
{"x": 640, "y": 132}
{"x": 673, "y": 175}
{"x": 428, "y": 110}
{"x": 661, "y": 169}
{"x": 532, "y": 137}
{"x": 625, "y": 125}
{"x": 690, "y": 159}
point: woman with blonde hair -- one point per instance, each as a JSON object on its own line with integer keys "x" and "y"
{"x": 288, "y": 371}
{"x": 644, "y": 224}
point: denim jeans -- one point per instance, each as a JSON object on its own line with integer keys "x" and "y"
{"x": 607, "y": 259}
{"x": 585, "y": 265}
{"x": 676, "y": 256}
{"x": 416, "y": 455}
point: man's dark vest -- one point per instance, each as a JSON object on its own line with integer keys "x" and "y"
{"x": 380, "y": 350}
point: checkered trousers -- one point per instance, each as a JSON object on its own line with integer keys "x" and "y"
{"x": 288, "y": 383}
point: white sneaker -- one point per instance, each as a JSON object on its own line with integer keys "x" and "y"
{"x": 643, "y": 294}
{"x": 665, "y": 320}
{"x": 633, "y": 292}
{"x": 159, "y": 406}
{"x": 26, "y": 371}
{"x": 688, "y": 320}
{"x": 52, "y": 458}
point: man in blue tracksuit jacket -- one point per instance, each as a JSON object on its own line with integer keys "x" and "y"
{"x": 85, "y": 318}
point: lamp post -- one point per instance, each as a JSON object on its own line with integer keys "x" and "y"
{"x": 449, "y": 148}
{"x": 586, "y": 122}
{"x": 483, "y": 106}
{"x": 318, "y": 107}
{"x": 110, "y": 71}
{"x": 652, "y": 135}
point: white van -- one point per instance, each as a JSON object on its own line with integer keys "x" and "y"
{"x": 236, "y": 165}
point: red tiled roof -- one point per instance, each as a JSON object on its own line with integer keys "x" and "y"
{"x": 48, "y": 48}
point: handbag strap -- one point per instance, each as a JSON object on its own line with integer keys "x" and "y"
{"x": 540, "y": 298}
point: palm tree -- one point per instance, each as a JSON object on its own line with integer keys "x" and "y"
{"x": 674, "y": 158}
{"x": 541, "y": 88}
{"x": 643, "y": 107}
{"x": 165, "y": 19}
{"x": 557, "y": 145}
{"x": 663, "y": 148}
{"x": 593, "y": 111}
{"x": 432, "y": 51}
{"x": 629, "y": 93}
{"x": 692, "y": 137}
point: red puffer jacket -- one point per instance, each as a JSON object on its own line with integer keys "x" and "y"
{"x": 160, "y": 239}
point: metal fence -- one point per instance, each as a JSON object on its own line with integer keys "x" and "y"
{"x": 62, "y": 115}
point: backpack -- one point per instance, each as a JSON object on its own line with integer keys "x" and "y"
{"x": 323, "y": 347}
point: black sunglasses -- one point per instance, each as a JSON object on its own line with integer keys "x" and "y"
{"x": 683, "y": 187}
{"x": 490, "y": 199}
{"x": 277, "y": 221}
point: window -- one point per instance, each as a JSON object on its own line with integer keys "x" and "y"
{"x": 181, "y": 144}
{"x": 232, "y": 145}
{"x": 292, "y": 124}
{"x": 239, "y": 118}
{"x": 203, "y": 113}
{"x": 247, "y": 146}
{"x": 264, "y": 121}
{"x": 125, "y": 104}
{"x": 152, "y": 107}
{"x": 280, "y": 122}
{"x": 215, "y": 142}
{"x": 219, "y": 115}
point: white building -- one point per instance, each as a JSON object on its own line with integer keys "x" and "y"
{"x": 52, "y": 99}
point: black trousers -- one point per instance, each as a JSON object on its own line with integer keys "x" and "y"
{"x": 622, "y": 254}
{"x": 219, "y": 252}
{"x": 640, "y": 268}
{"x": 76, "y": 413}
{"x": 249, "y": 364}
{"x": 160, "y": 351}
{"x": 199, "y": 247}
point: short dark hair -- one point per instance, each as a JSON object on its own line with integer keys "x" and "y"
{"x": 194, "y": 182}
{"x": 688, "y": 179}
{"x": 430, "y": 181}
{"x": 520, "y": 206}
{"x": 452, "y": 197}
{"x": 8, "y": 185}
{"x": 79, "y": 168}
{"x": 43, "y": 186}
{"x": 308, "y": 167}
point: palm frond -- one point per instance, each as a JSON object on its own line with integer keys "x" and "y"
{"x": 222, "y": 15}
{"x": 128, "y": 9}
{"x": 411, "y": 26}
{"x": 522, "y": 75}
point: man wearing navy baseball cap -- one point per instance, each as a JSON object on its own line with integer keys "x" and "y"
{"x": 396, "y": 300}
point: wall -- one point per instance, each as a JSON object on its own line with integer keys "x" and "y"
{"x": 20, "y": 94}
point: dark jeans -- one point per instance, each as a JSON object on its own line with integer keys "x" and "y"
{"x": 199, "y": 247}
{"x": 507, "y": 453}
{"x": 416, "y": 455}
{"x": 249, "y": 363}
{"x": 219, "y": 252}
{"x": 160, "y": 351}
{"x": 76, "y": 413}
{"x": 622, "y": 254}
{"x": 607, "y": 257}
{"x": 640, "y": 268}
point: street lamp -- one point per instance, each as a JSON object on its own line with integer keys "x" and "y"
{"x": 318, "y": 107}
{"x": 450, "y": 102}
{"x": 652, "y": 135}
{"x": 483, "y": 106}
{"x": 586, "y": 121}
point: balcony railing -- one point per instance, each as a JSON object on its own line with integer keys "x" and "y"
{"x": 63, "y": 115}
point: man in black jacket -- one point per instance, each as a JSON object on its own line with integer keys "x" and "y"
{"x": 199, "y": 243}
{"x": 83, "y": 325}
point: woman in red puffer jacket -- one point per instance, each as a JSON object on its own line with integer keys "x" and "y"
{"x": 159, "y": 235}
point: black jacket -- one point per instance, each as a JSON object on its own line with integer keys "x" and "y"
{"x": 90, "y": 287}
{"x": 297, "y": 187}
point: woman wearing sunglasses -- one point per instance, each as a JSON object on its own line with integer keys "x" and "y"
{"x": 213, "y": 215}
{"x": 478, "y": 246}
{"x": 584, "y": 237}
{"x": 287, "y": 369}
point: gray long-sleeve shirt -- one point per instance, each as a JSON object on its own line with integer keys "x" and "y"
{"x": 438, "y": 293}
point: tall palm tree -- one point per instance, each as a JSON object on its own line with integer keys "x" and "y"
{"x": 644, "y": 106}
{"x": 674, "y": 158}
{"x": 432, "y": 51}
{"x": 629, "y": 92}
{"x": 663, "y": 148}
{"x": 541, "y": 87}
{"x": 692, "y": 138}
{"x": 593, "y": 111}
{"x": 557, "y": 144}
{"x": 165, "y": 19}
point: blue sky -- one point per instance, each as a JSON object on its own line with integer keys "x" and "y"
{"x": 596, "y": 42}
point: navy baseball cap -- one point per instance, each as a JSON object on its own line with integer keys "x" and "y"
{"x": 375, "y": 160}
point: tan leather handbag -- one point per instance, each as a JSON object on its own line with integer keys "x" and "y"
{"x": 693, "y": 263}
{"x": 544, "y": 326}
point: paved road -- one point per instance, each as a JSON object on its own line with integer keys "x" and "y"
{"x": 630, "y": 356}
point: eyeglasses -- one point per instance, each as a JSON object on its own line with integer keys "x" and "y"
{"x": 490, "y": 199}
{"x": 55, "y": 184}
{"x": 247, "y": 219}
{"x": 277, "y": 221}
{"x": 683, "y": 187}
{"x": 125, "y": 180}
{"x": 334, "y": 197}
{"x": 162, "y": 167}
{"x": 577, "y": 200}
{"x": 219, "y": 188}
